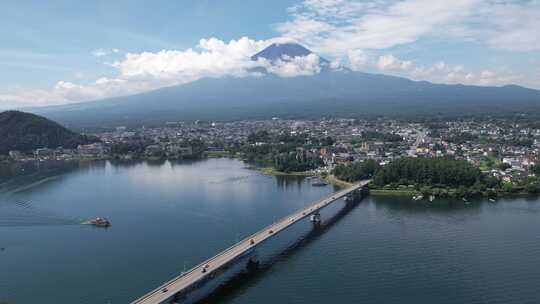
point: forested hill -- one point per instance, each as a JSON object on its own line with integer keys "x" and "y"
{"x": 25, "y": 132}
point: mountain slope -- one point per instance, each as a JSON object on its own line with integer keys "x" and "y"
{"x": 332, "y": 93}
{"x": 329, "y": 93}
{"x": 25, "y": 132}
{"x": 283, "y": 51}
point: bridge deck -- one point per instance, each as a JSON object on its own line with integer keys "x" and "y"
{"x": 187, "y": 279}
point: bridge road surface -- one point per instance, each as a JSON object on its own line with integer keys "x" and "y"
{"x": 187, "y": 279}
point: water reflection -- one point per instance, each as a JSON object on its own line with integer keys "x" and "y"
{"x": 19, "y": 176}
{"x": 385, "y": 250}
{"x": 239, "y": 282}
{"x": 441, "y": 206}
{"x": 287, "y": 182}
{"x": 182, "y": 211}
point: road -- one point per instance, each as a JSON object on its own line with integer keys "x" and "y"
{"x": 419, "y": 139}
{"x": 196, "y": 274}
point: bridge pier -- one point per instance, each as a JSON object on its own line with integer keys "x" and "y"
{"x": 315, "y": 218}
{"x": 357, "y": 195}
{"x": 178, "y": 298}
{"x": 252, "y": 264}
{"x": 189, "y": 283}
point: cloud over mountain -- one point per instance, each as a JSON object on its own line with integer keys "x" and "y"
{"x": 139, "y": 72}
{"x": 409, "y": 38}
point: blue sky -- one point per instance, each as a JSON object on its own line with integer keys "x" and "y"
{"x": 66, "y": 51}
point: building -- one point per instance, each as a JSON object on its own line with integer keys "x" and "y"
{"x": 91, "y": 150}
{"x": 153, "y": 150}
{"x": 44, "y": 153}
{"x": 16, "y": 155}
{"x": 179, "y": 150}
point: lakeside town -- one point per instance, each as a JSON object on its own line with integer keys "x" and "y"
{"x": 499, "y": 148}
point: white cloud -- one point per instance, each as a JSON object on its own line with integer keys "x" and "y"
{"x": 349, "y": 28}
{"x": 442, "y": 72}
{"x": 391, "y": 63}
{"x": 215, "y": 59}
{"x": 344, "y": 30}
{"x": 358, "y": 59}
{"x": 140, "y": 72}
{"x": 297, "y": 66}
{"x": 105, "y": 52}
{"x": 337, "y": 26}
{"x": 514, "y": 26}
{"x": 99, "y": 53}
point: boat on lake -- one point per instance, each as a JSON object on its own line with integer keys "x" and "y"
{"x": 98, "y": 222}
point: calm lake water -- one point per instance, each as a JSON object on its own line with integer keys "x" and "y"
{"x": 170, "y": 216}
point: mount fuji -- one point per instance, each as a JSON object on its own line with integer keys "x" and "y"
{"x": 330, "y": 92}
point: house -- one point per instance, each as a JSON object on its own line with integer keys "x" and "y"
{"x": 153, "y": 150}
{"x": 179, "y": 150}
{"x": 91, "y": 150}
{"x": 16, "y": 155}
{"x": 44, "y": 153}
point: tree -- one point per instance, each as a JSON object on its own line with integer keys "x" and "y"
{"x": 535, "y": 169}
{"x": 446, "y": 172}
{"x": 260, "y": 136}
{"x": 356, "y": 171}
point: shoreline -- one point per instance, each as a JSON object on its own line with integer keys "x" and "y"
{"x": 273, "y": 172}
{"x": 332, "y": 180}
{"x": 392, "y": 192}
{"x": 328, "y": 178}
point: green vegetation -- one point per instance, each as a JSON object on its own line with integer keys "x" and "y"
{"x": 261, "y": 136}
{"x": 444, "y": 177}
{"x": 218, "y": 154}
{"x": 356, "y": 171}
{"x": 438, "y": 176}
{"x": 490, "y": 162}
{"x": 26, "y": 132}
{"x": 386, "y": 137}
{"x": 445, "y": 172}
{"x": 461, "y": 137}
{"x": 137, "y": 150}
{"x": 296, "y": 162}
{"x": 520, "y": 142}
{"x": 283, "y": 152}
{"x": 536, "y": 169}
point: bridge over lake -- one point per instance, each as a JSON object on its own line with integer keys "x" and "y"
{"x": 181, "y": 284}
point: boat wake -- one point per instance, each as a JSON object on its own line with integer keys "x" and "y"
{"x": 234, "y": 179}
{"x": 24, "y": 214}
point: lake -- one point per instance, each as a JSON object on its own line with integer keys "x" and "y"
{"x": 169, "y": 216}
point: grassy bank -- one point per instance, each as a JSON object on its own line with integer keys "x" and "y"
{"x": 331, "y": 179}
{"x": 273, "y": 172}
{"x": 396, "y": 192}
{"x": 218, "y": 154}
